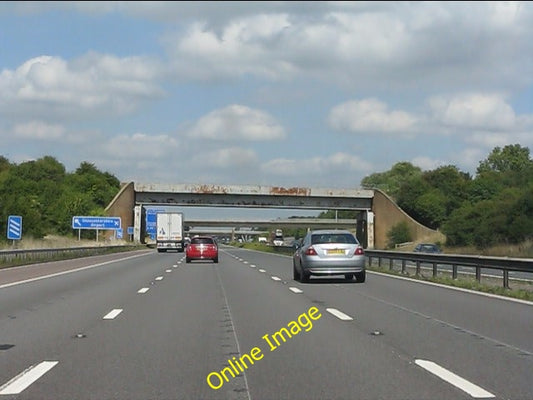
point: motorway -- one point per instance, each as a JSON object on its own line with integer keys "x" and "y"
{"x": 146, "y": 325}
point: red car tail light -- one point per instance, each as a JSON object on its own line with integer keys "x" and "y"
{"x": 359, "y": 251}
{"x": 310, "y": 251}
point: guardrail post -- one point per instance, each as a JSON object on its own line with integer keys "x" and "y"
{"x": 434, "y": 270}
{"x": 417, "y": 268}
{"x": 379, "y": 262}
{"x": 454, "y": 271}
{"x": 403, "y": 267}
{"x": 506, "y": 279}
{"x": 391, "y": 264}
{"x": 478, "y": 273}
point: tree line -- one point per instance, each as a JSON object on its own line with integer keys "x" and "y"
{"x": 47, "y": 196}
{"x": 494, "y": 206}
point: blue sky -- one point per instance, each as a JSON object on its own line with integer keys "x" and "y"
{"x": 309, "y": 94}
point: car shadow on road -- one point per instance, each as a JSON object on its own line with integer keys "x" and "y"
{"x": 317, "y": 280}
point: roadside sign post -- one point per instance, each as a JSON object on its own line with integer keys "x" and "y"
{"x": 14, "y": 228}
{"x": 97, "y": 223}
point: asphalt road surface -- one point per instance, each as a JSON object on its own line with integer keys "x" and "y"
{"x": 146, "y": 326}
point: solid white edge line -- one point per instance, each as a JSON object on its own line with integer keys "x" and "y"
{"x": 339, "y": 314}
{"x": 67, "y": 272}
{"x": 113, "y": 313}
{"x": 448, "y": 376}
{"x": 143, "y": 290}
{"x": 27, "y": 377}
{"x": 459, "y": 289}
{"x": 275, "y": 278}
{"x": 295, "y": 290}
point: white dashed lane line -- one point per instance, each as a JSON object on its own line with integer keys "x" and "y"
{"x": 448, "y": 376}
{"x": 159, "y": 278}
{"x": 262, "y": 270}
{"x": 113, "y": 313}
{"x": 295, "y": 290}
{"x": 168, "y": 270}
{"x": 252, "y": 266}
{"x": 26, "y": 378}
{"x": 143, "y": 290}
{"x": 339, "y": 314}
{"x": 275, "y": 278}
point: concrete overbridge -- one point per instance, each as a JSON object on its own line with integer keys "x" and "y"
{"x": 376, "y": 212}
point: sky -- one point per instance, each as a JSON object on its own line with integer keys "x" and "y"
{"x": 291, "y": 94}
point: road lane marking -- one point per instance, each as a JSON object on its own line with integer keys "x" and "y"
{"x": 455, "y": 380}
{"x": 143, "y": 290}
{"x": 295, "y": 290}
{"x": 245, "y": 262}
{"x": 262, "y": 270}
{"x": 339, "y": 314}
{"x": 159, "y": 278}
{"x": 27, "y": 377}
{"x": 275, "y": 278}
{"x": 113, "y": 313}
{"x": 458, "y": 289}
{"x": 168, "y": 270}
{"x": 38, "y": 278}
{"x": 252, "y": 265}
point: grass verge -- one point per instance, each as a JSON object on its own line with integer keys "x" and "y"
{"x": 523, "y": 293}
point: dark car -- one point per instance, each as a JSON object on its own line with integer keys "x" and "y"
{"x": 329, "y": 252}
{"x": 202, "y": 248}
{"x": 427, "y": 248}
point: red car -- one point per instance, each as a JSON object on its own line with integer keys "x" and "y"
{"x": 201, "y": 248}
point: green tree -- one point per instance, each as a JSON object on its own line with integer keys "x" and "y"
{"x": 391, "y": 181}
{"x": 510, "y": 158}
{"x": 399, "y": 233}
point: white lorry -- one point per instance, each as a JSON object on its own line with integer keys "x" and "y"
{"x": 170, "y": 235}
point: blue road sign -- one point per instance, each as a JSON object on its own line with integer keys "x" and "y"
{"x": 96, "y": 223}
{"x": 14, "y": 227}
{"x": 151, "y": 222}
{"x": 119, "y": 233}
{"x": 130, "y": 230}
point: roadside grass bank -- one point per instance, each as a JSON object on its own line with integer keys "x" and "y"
{"x": 57, "y": 249}
{"x": 519, "y": 289}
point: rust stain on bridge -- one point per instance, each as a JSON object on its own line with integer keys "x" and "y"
{"x": 294, "y": 191}
{"x": 211, "y": 189}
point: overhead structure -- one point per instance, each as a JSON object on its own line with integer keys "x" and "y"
{"x": 134, "y": 197}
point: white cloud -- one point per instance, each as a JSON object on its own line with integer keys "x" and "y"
{"x": 237, "y": 122}
{"x": 139, "y": 147}
{"x": 38, "y": 130}
{"x": 340, "y": 162}
{"x": 427, "y": 163}
{"x": 49, "y": 86}
{"x": 370, "y": 115}
{"x": 225, "y": 158}
{"x": 480, "y": 111}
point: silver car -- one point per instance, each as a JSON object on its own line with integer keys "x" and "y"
{"x": 329, "y": 252}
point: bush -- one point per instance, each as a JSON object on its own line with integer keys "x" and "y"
{"x": 399, "y": 233}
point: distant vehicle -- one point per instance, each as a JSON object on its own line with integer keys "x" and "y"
{"x": 169, "y": 231}
{"x": 277, "y": 240}
{"x": 329, "y": 252}
{"x": 427, "y": 248}
{"x": 202, "y": 248}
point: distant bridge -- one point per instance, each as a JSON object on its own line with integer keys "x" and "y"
{"x": 377, "y": 213}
